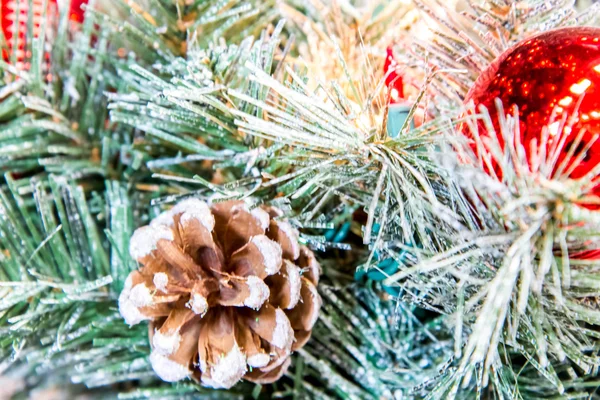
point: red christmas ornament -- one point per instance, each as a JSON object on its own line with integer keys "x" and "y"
{"x": 586, "y": 255}
{"x": 76, "y": 12}
{"x": 554, "y": 80}
{"x": 393, "y": 79}
{"x": 17, "y": 10}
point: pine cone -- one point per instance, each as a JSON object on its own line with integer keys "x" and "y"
{"x": 229, "y": 292}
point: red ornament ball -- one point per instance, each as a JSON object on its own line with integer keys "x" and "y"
{"x": 549, "y": 77}
{"x": 393, "y": 79}
{"x": 18, "y": 11}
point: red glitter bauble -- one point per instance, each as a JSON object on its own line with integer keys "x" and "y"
{"x": 548, "y": 77}
{"x": 393, "y": 79}
{"x": 17, "y": 10}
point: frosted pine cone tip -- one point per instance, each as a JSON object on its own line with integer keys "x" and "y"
{"x": 229, "y": 292}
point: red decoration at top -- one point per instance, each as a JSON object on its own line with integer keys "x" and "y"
{"x": 586, "y": 255}
{"x": 76, "y": 12}
{"x": 8, "y": 12}
{"x": 393, "y": 79}
{"x": 552, "y": 77}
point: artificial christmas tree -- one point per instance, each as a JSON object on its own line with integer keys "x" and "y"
{"x": 489, "y": 282}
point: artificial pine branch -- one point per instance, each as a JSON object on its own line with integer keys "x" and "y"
{"x": 75, "y": 215}
{"x": 194, "y": 117}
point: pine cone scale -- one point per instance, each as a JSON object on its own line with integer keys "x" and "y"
{"x": 220, "y": 358}
{"x": 283, "y": 233}
{"x": 260, "y": 257}
{"x": 173, "y": 255}
{"x": 243, "y": 292}
{"x": 288, "y": 285}
{"x": 261, "y": 378}
{"x": 175, "y": 367}
{"x": 198, "y": 242}
{"x": 311, "y": 269}
{"x": 240, "y": 229}
{"x": 305, "y": 314}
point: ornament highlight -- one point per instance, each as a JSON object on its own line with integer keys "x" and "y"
{"x": 554, "y": 81}
{"x": 229, "y": 291}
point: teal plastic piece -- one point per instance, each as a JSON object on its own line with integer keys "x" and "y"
{"x": 338, "y": 235}
{"x": 386, "y": 267}
{"x": 397, "y": 115}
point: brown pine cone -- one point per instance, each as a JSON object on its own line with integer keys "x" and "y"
{"x": 229, "y": 292}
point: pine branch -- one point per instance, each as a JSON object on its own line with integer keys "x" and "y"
{"x": 74, "y": 215}
{"x": 191, "y": 116}
{"x": 522, "y": 288}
